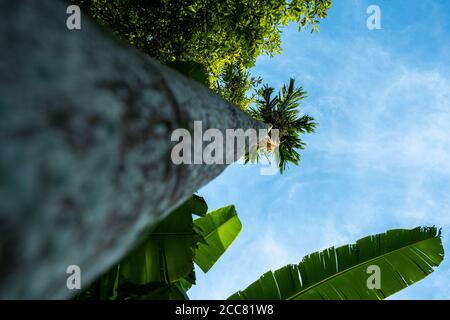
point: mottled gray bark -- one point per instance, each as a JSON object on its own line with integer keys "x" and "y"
{"x": 85, "y": 124}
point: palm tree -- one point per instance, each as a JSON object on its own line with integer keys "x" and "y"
{"x": 282, "y": 113}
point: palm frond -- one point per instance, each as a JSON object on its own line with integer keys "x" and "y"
{"x": 282, "y": 111}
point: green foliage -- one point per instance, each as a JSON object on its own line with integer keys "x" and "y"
{"x": 166, "y": 255}
{"x": 224, "y": 36}
{"x": 192, "y": 70}
{"x": 234, "y": 83}
{"x": 218, "y": 228}
{"x": 282, "y": 112}
{"x": 161, "y": 266}
{"x": 403, "y": 256}
{"x": 215, "y": 43}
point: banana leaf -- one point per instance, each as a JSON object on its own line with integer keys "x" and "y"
{"x": 402, "y": 256}
{"x": 218, "y": 229}
{"x": 167, "y": 254}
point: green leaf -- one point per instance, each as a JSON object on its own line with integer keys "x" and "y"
{"x": 403, "y": 256}
{"x": 191, "y": 69}
{"x": 218, "y": 228}
{"x": 184, "y": 285}
{"x": 198, "y": 205}
{"x": 108, "y": 284}
{"x": 167, "y": 254}
{"x": 151, "y": 291}
{"x": 161, "y": 265}
{"x": 104, "y": 288}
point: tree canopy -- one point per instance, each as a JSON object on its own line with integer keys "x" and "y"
{"x": 224, "y": 36}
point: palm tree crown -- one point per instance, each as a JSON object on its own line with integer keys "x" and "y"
{"x": 282, "y": 112}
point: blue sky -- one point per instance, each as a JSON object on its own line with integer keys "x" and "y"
{"x": 379, "y": 160}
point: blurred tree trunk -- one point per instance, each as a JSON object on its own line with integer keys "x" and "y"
{"x": 85, "y": 125}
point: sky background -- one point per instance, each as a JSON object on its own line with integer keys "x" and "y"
{"x": 380, "y": 158}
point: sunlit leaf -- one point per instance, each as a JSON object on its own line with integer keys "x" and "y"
{"x": 403, "y": 257}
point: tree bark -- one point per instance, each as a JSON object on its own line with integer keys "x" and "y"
{"x": 85, "y": 125}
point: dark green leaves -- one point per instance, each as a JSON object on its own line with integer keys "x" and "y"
{"x": 161, "y": 266}
{"x": 192, "y": 70}
{"x": 225, "y": 36}
{"x": 166, "y": 254}
{"x": 402, "y": 256}
{"x": 197, "y": 205}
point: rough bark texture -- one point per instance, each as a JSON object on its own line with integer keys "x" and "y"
{"x": 85, "y": 124}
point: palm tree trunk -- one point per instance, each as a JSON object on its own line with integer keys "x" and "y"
{"x": 85, "y": 125}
